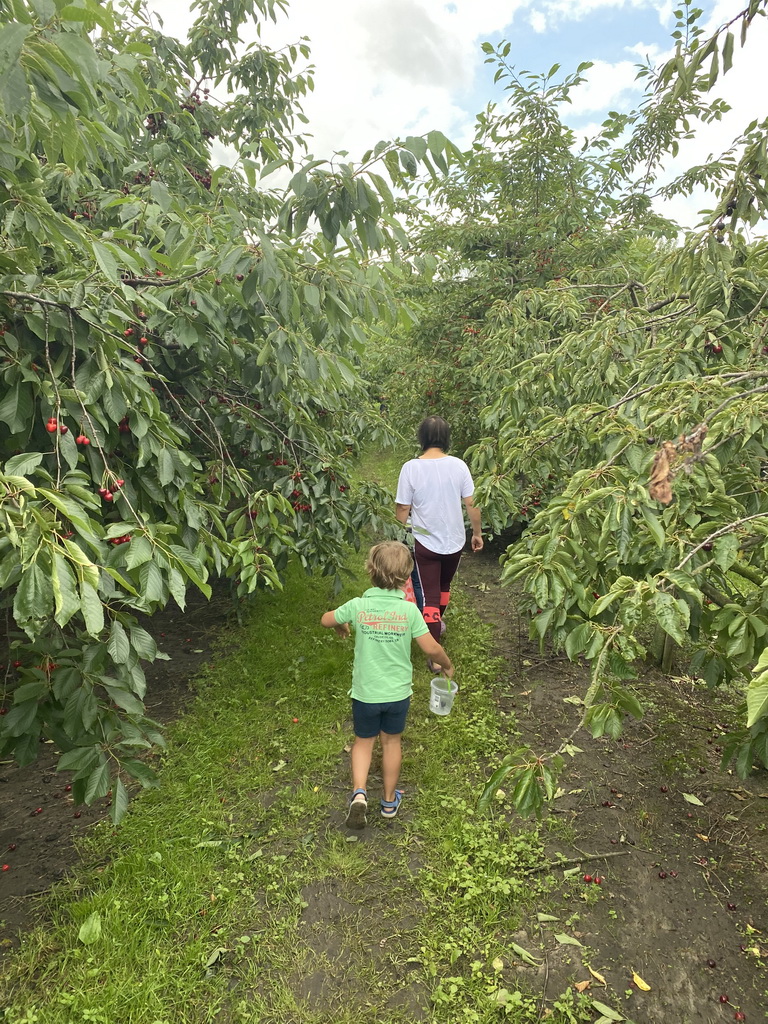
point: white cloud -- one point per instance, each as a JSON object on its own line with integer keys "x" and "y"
{"x": 606, "y": 87}
{"x": 538, "y": 22}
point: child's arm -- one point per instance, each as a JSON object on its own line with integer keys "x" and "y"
{"x": 329, "y": 621}
{"x": 436, "y": 653}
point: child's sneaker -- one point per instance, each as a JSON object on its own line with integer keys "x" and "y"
{"x": 358, "y": 807}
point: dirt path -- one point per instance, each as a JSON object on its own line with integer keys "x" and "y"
{"x": 684, "y": 897}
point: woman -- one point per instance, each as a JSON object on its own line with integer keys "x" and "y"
{"x": 430, "y": 490}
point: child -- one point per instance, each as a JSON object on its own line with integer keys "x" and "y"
{"x": 382, "y": 674}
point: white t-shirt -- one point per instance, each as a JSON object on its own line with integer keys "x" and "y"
{"x": 434, "y": 489}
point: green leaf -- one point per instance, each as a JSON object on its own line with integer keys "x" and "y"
{"x": 24, "y": 464}
{"x": 606, "y": 1011}
{"x": 671, "y": 615}
{"x": 151, "y": 582}
{"x": 143, "y": 643}
{"x": 97, "y": 783}
{"x": 12, "y": 39}
{"x": 90, "y": 929}
{"x": 757, "y": 703}
{"x": 106, "y": 262}
{"x": 567, "y": 940}
{"x": 726, "y": 551}
{"x": 34, "y": 596}
{"x": 728, "y": 52}
{"x": 691, "y": 799}
{"x": 120, "y": 801}
{"x": 654, "y": 526}
{"x": 66, "y": 600}
{"x": 118, "y": 646}
{"x": 92, "y": 609}
{"x": 16, "y": 407}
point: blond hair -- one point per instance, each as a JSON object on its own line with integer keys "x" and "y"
{"x": 389, "y": 564}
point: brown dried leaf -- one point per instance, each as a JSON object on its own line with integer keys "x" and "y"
{"x": 581, "y": 985}
{"x": 660, "y": 483}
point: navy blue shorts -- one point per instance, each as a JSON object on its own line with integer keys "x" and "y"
{"x": 371, "y": 719}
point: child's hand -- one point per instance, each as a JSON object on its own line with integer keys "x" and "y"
{"x": 343, "y": 630}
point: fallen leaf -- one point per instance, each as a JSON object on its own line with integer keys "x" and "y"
{"x": 597, "y": 976}
{"x": 703, "y": 838}
{"x": 739, "y": 796}
{"x": 607, "y": 1012}
{"x": 692, "y": 799}
{"x": 525, "y": 955}
{"x": 581, "y": 985}
{"x": 545, "y": 917}
{"x": 215, "y": 956}
{"x": 567, "y": 940}
{"x": 279, "y": 766}
{"x": 90, "y": 929}
{"x": 498, "y": 964}
{"x": 642, "y": 985}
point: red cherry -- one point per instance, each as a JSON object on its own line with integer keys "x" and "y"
{"x": 240, "y": 277}
{"x": 664, "y": 789}
{"x": 11, "y": 846}
{"x": 63, "y": 429}
{"x": 119, "y": 482}
{"x": 294, "y": 720}
{"x": 52, "y": 426}
{"x": 68, "y": 788}
{"x": 77, "y": 814}
{"x": 108, "y": 496}
{"x": 723, "y": 999}
{"x": 598, "y": 880}
{"x": 128, "y": 333}
{"x": 739, "y": 1015}
{"x": 662, "y": 874}
{"x": 143, "y": 341}
{"x": 587, "y": 878}
{"x": 6, "y": 867}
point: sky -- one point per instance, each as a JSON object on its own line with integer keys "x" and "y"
{"x": 389, "y": 68}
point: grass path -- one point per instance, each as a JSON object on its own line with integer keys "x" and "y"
{"x": 234, "y": 893}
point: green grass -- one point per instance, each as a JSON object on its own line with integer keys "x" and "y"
{"x": 232, "y": 892}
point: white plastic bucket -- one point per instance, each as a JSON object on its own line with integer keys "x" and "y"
{"x": 441, "y": 694}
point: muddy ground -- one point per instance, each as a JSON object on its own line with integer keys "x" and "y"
{"x": 684, "y": 893}
{"x": 684, "y": 897}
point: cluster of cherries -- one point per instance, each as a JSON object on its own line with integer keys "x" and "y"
{"x": 108, "y": 495}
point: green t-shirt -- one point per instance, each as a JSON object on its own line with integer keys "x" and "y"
{"x": 385, "y": 624}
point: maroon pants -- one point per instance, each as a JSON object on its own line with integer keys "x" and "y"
{"x": 435, "y": 572}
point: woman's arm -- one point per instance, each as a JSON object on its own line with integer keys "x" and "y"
{"x": 474, "y": 518}
{"x": 402, "y": 512}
